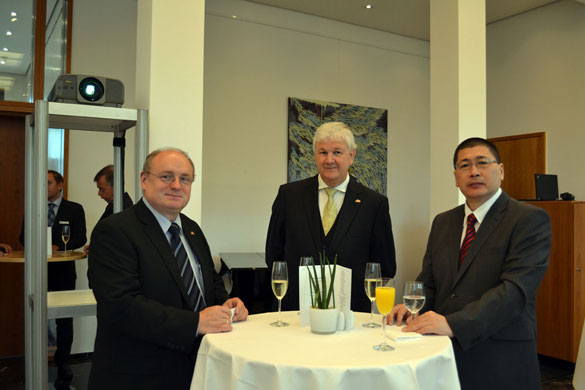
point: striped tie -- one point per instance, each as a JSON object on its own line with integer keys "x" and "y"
{"x": 469, "y": 236}
{"x": 185, "y": 267}
{"x": 51, "y": 214}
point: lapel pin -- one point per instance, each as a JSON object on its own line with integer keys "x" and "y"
{"x": 358, "y": 201}
{"x": 192, "y": 233}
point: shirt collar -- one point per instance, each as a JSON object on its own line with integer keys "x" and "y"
{"x": 482, "y": 210}
{"x": 163, "y": 221}
{"x": 341, "y": 187}
{"x": 57, "y": 202}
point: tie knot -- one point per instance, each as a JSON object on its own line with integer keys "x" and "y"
{"x": 174, "y": 229}
{"x": 51, "y": 206}
{"x": 471, "y": 220}
{"x": 330, "y": 192}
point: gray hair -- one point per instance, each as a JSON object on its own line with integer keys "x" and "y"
{"x": 334, "y": 131}
{"x": 154, "y": 153}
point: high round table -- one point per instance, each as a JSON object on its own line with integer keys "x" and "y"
{"x": 255, "y": 355}
{"x": 18, "y": 257}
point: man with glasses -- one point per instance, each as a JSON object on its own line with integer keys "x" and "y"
{"x": 157, "y": 291}
{"x": 481, "y": 271}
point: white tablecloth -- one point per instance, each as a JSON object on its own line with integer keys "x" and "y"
{"x": 255, "y": 355}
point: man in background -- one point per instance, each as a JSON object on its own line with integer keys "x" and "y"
{"x": 481, "y": 271}
{"x": 331, "y": 211}
{"x": 104, "y": 180}
{"x": 156, "y": 288}
{"x": 61, "y": 274}
{"x": 5, "y": 249}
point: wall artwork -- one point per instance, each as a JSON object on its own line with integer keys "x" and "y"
{"x": 370, "y": 129}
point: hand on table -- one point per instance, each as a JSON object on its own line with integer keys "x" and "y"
{"x": 398, "y": 313}
{"x": 215, "y": 319}
{"x": 6, "y": 249}
{"x": 429, "y": 323}
{"x": 241, "y": 313}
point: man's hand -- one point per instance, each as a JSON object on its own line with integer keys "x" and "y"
{"x": 86, "y": 249}
{"x": 215, "y": 319}
{"x": 398, "y": 313}
{"x": 241, "y": 313}
{"x": 429, "y": 323}
{"x": 6, "y": 248}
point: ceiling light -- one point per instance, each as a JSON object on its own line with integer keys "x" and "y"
{"x": 5, "y": 49}
{"x": 2, "y": 62}
{"x": 13, "y": 19}
{"x": 234, "y": 16}
{"x": 9, "y": 33}
{"x": 369, "y": 6}
{"x": 13, "y": 13}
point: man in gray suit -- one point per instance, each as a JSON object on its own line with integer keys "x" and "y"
{"x": 481, "y": 270}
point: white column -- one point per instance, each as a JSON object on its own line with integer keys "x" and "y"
{"x": 169, "y": 79}
{"x": 458, "y": 90}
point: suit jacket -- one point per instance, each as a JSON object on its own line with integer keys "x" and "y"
{"x": 362, "y": 232}
{"x": 127, "y": 202}
{"x": 489, "y": 302}
{"x": 146, "y": 332}
{"x": 62, "y": 274}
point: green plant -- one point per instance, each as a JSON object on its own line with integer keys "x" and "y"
{"x": 322, "y": 292}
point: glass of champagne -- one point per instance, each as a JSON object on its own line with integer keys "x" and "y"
{"x": 414, "y": 296}
{"x": 65, "y": 235}
{"x": 279, "y": 286}
{"x": 371, "y": 280}
{"x": 385, "y": 293}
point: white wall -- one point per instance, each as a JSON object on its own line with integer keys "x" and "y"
{"x": 253, "y": 64}
{"x": 102, "y": 49}
{"x": 536, "y": 82}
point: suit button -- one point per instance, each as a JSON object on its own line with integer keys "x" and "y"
{"x": 452, "y": 296}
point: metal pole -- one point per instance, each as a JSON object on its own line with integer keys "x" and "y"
{"x": 28, "y": 265}
{"x": 39, "y": 245}
{"x": 118, "y": 193}
{"x": 140, "y": 148}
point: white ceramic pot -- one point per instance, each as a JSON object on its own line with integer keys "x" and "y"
{"x": 323, "y": 321}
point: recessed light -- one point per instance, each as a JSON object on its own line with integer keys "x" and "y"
{"x": 2, "y": 62}
{"x": 4, "y": 49}
{"x": 13, "y": 13}
{"x": 234, "y": 16}
{"x": 9, "y": 33}
{"x": 369, "y": 6}
{"x": 13, "y": 19}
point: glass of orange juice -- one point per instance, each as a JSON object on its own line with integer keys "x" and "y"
{"x": 385, "y": 293}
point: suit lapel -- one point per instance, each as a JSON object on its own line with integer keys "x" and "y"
{"x": 311, "y": 210}
{"x": 487, "y": 227}
{"x": 349, "y": 208}
{"x": 158, "y": 238}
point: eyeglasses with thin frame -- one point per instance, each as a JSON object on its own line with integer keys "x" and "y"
{"x": 169, "y": 178}
{"x": 480, "y": 163}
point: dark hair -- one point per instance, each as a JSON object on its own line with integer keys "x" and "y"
{"x": 476, "y": 141}
{"x": 57, "y": 176}
{"x": 108, "y": 172}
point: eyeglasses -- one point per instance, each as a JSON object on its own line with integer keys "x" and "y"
{"x": 480, "y": 163}
{"x": 169, "y": 178}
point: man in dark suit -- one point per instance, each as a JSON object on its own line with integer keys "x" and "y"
{"x": 104, "y": 181}
{"x": 482, "y": 268}
{"x": 62, "y": 275}
{"x": 157, "y": 291}
{"x": 331, "y": 212}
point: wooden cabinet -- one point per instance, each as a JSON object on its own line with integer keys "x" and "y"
{"x": 560, "y": 303}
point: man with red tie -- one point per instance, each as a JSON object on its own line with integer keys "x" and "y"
{"x": 481, "y": 270}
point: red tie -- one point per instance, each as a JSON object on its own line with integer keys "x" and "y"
{"x": 469, "y": 236}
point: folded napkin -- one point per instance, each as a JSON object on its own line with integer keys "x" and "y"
{"x": 396, "y": 334}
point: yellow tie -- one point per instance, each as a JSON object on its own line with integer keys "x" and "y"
{"x": 330, "y": 212}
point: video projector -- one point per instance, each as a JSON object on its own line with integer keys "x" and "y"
{"x": 96, "y": 90}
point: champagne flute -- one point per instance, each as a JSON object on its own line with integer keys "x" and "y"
{"x": 385, "y": 293}
{"x": 65, "y": 235}
{"x": 279, "y": 286}
{"x": 371, "y": 280}
{"x": 414, "y": 297}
